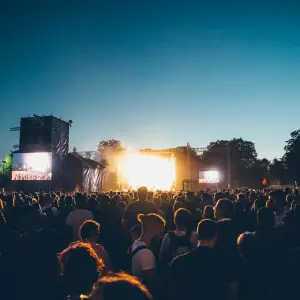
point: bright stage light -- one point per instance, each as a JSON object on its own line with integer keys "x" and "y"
{"x": 153, "y": 171}
{"x": 209, "y": 177}
{"x": 38, "y": 162}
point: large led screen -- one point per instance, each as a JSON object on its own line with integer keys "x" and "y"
{"x": 32, "y": 166}
{"x": 209, "y": 177}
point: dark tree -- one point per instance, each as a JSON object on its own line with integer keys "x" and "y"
{"x": 291, "y": 157}
{"x": 258, "y": 172}
{"x": 278, "y": 172}
{"x": 242, "y": 155}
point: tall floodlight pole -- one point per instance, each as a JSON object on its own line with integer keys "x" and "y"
{"x": 188, "y": 146}
{"x": 228, "y": 166}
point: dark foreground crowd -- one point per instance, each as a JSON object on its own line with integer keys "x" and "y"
{"x": 144, "y": 245}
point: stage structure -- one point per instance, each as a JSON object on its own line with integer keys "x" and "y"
{"x": 44, "y": 134}
{"x": 174, "y": 168}
{"x": 82, "y": 174}
{"x": 43, "y": 161}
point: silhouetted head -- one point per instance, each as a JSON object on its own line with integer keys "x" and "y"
{"x": 207, "y": 232}
{"x": 115, "y": 200}
{"x": 177, "y": 205}
{"x": 258, "y": 204}
{"x": 156, "y": 201}
{"x": 224, "y": 209}
{"x": 164, "y": 198}
{"x": 80, "y": 201}
{"x": 182, "y": 219}
{"x": 265, "y": 217}
{"x": 118, "y": 286}
{"x": 218, "y": 196}
{"x": 104, "y": 200}
{"x": 90, "y": 231}
{"x": 208, "y": 212}
{"x": 143, "y": 194}
{"x": 153, "y": 225}
{"x": 242, "y": 199}
{"x": 246, "y": 244}
{"x": 207, "y": 198}
{"x": 80, "y": 268}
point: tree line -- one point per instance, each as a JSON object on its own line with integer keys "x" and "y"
{"x": 246, "y": 168}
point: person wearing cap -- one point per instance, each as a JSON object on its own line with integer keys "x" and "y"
{"x": 203, "y": 272}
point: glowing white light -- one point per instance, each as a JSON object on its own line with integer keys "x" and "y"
{"x": 38, "y": 162}
{"x": 209, "y": 177}
{"x": 153, "y": 171}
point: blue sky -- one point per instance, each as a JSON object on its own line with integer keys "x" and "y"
{"x": 154, "y": 74}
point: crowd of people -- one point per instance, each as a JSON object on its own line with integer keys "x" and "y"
{"x": 214, "y": 244}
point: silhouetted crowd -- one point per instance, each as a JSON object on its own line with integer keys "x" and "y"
{"x": 214, "y": 244}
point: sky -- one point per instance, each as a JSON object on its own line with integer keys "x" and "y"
{"x": 153, "y": 74}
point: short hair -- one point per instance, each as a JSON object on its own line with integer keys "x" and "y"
{"x": 115, "y": 199}
{"x": 225, "y": 208}
{"x": 142, "y": 193}
{"x": 177, "y": 205}
{"x": 206, "y": 198}
{"x": 80, "y": 200}
{"x": 122, "y": 206}
{"x": 104, "y": 200}
{"x": 149, "y": 219}
{"x": 182, "y": 218}
{"x": 280, "y": 197}
{"x": 246, "y": 244}
{"x": 218, "y": 196}
{"x": 241, "y": 196}
{"x": 207, "y": 229}
{"x": 259, "y": 203}
{"x": 88, "y": 228}
{"x": 265, "y": 217}
{"x": 80, "y": 267}
{"x": 190, "y": 194}
{"x": 164, "y": 197}
{"x": 115, "y": 286}
{"x": 156, "y": 201}
{"x": 208, "y": 212}
{"x": 68, "y": 201}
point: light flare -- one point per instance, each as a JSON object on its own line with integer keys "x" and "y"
{"x": 153, "y": 171}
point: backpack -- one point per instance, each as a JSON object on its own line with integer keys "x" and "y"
{"x": 179, "y": 245}
{"x": 131, "y": 254}
{"x": 137, "y": 249}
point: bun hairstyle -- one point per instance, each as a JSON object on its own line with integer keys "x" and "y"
{"x": 150, "y": 219}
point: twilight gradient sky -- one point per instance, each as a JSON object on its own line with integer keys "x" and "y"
{"x": 153, "y": 73}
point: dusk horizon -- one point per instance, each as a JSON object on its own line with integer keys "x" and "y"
{"x": 157, "y": 75}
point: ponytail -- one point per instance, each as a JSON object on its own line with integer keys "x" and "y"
{"x": 150, "y": 218}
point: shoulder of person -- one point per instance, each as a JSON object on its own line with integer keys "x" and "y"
{"x": 151, "y": 205}
{"x": 131, "y": 207}
{"x": 178, "y": 262}
{"x": 142, "y": 254}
